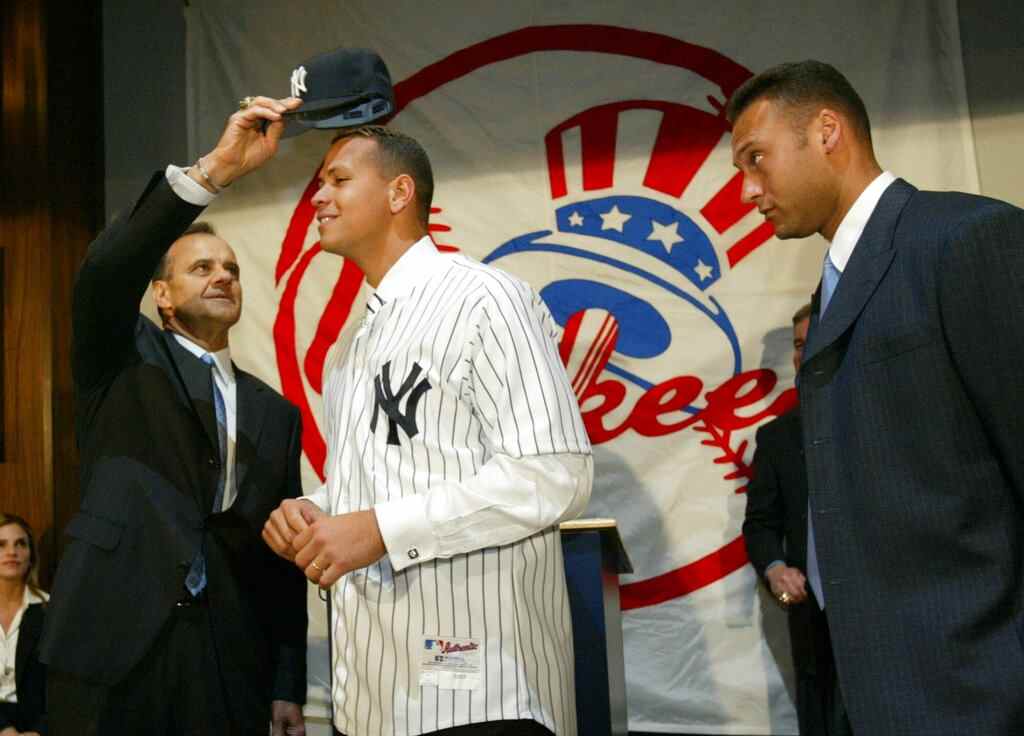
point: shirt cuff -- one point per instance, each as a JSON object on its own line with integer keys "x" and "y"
{"x": 406, "y": 531}
{"x": 188, "y": 188}
{"x": 320, "y": 498}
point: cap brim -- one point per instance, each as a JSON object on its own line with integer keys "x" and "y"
{"x": 338, "y": 116}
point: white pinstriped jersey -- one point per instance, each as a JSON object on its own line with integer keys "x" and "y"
{"x": 452, "y": 416}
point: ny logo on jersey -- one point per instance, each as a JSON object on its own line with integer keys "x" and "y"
{"x": 384, "y": 399}
{"x": 299, "y": 81}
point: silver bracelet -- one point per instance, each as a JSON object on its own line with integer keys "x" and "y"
{"x": 203, "y": 173}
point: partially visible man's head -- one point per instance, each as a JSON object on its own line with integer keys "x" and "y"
{"x": 801, "y": 89}
{"x": 196, "y": 283}
{"x": 791, "y": 124}
{"x": 801, "y": 321}
{"x": 370, "y": 175}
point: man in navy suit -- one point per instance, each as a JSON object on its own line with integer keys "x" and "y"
{"x": 910, "y": 395}
{"x": 169, "y": 615}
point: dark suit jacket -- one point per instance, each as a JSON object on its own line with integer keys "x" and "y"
{"x": 775, "y": 527}
{"x": 30, "y": 674}
{"x": 149, "y": 467}
{"x": 910, "y": 397}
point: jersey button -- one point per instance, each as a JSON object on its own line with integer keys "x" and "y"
{"x": 413, "y": 553}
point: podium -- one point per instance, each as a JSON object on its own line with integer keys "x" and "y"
{"x": 594, "y": 558}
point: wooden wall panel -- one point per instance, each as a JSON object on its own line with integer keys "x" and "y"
{"x": 51, "y": 204}
{"x": 75, "y": 189}
{"x": 26, "y": 478}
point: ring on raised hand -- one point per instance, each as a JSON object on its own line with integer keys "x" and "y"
{"x": 313, "y": 563}
{"x": 784, "y": 598}
{"x": 246, "y": 102}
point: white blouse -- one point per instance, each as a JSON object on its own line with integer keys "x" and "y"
{"x": 9, "y": 648}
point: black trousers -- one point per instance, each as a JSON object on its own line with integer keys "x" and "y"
{"x": 9, "y": 715}
{"x": 176, "y": 690}
{"x": 830, "y": 694}
{"x": 491, "y": 728}
{"x": 819, "y": 700}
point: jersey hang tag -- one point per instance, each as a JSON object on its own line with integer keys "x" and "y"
{"x": 450, "y": 664}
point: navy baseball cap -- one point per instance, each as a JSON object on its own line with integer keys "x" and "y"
{"x": 340, "y": 89}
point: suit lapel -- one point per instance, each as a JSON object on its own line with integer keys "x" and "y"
{"x": 251, "y": 407}
{"x": 196, "y": 379}
{"x": 871, "y": 258}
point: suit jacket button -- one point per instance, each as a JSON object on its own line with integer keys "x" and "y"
{"x": 212, "y": 462}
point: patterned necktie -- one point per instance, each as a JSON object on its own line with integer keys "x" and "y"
{"x": 829, "y": 280}
{"x": 195, "y": 581}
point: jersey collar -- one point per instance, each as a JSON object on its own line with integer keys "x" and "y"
{"x": 418, "y": 262}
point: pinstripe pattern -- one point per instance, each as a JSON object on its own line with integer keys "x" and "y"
{"x": 486, "y": 343}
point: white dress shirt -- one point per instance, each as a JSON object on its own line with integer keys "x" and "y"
{"x": 9, "y": 648}
{"x": 224, "y": 375}
{"x": 853, "y": 224}
{"x": 468, "y": 493}
{"x": 187, "y": 188}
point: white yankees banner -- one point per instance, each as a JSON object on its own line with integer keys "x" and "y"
{"x": 582, "y": 146}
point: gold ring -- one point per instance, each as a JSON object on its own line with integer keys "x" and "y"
{"x": 313, "y": 563}
{"x": 784, "y": 598}
{"x": 244, "y": 103}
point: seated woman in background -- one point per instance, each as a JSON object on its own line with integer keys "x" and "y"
{"x": 23, "y": 678}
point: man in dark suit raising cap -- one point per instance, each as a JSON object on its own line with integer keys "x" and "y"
{"x": 910, "y": 397}
{"x": 169, "y": 615}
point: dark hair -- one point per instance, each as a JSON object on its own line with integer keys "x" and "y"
{"x": 201, "y": 227}
{"x": 32, "y": 576}
{"x": 801, "y": 314}
{"x": 799, "y": 85}
{"x": 400, "y": 154}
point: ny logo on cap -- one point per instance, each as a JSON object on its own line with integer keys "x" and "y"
{"x": 388, "y": 401}
{"x": 299, "y": 81}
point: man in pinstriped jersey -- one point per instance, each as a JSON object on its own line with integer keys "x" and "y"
{"x": 455, "y": 448}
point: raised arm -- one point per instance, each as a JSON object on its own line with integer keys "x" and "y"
{"x": 120, "y": 262}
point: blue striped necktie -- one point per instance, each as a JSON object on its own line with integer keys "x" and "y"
{"x": 829, "y": 280}
{"x": 195, "y": 581}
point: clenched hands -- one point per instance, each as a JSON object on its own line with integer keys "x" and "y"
{"x": 324, "y": 547}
